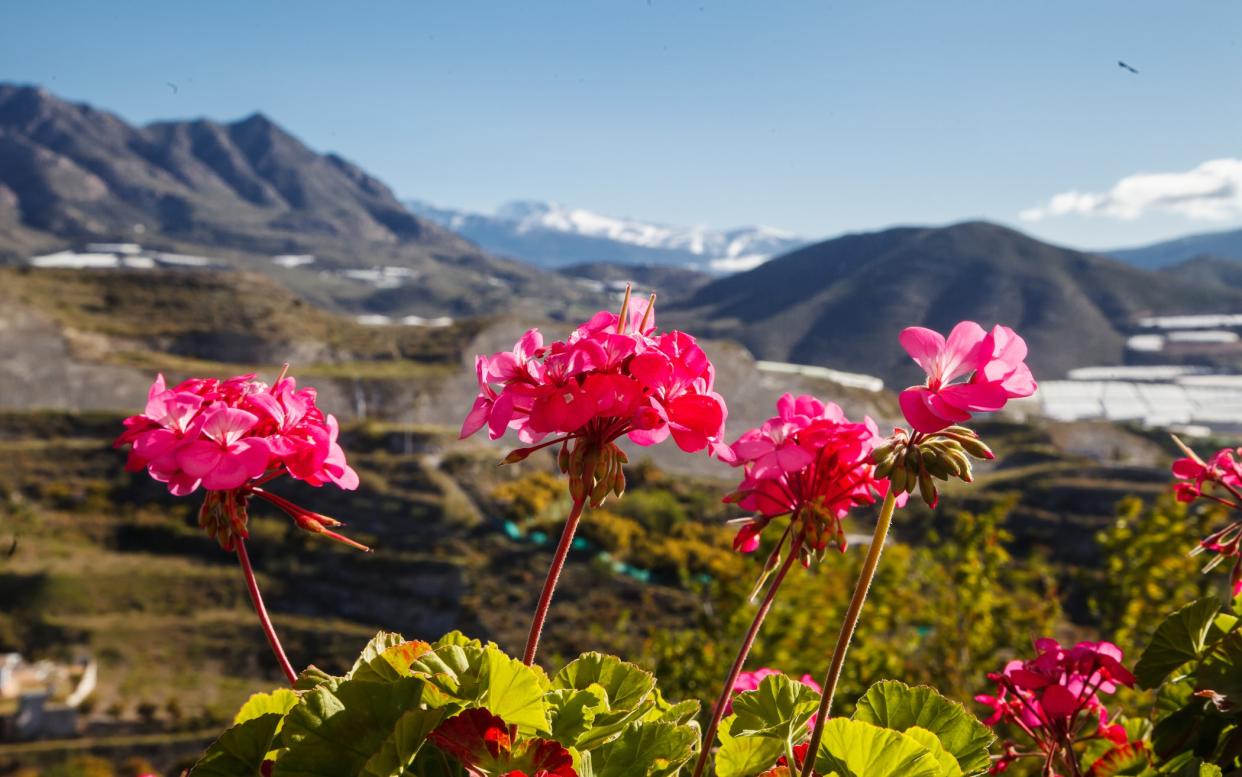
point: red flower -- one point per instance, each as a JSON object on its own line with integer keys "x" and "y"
{"x": 486, "y": 746}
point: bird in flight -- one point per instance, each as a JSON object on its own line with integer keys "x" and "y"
{"x": 172, "y": 86}
{"x": 1124, "y": 66}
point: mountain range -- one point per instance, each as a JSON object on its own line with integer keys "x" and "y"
{"x": 253, "y": 197}
{"x": 1168, "y": 253}
{"x": 842, "y": 302}
{"x": 547, "y": 234}
{"x": 241, "y": 192}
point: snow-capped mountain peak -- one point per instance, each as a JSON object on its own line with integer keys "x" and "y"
{"x": 552, "y": 234}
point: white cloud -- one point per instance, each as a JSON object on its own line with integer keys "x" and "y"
{"x": 1210, "y": 192}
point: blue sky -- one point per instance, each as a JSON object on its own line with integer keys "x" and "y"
{"x": 817, "y": 117}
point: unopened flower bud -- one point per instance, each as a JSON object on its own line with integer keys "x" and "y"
{"x": 516, "y": 455}
{"x": 927, "y": 490}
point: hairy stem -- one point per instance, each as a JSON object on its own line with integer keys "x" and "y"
{"x": 549, "y": 585}
{"x": 256, "y": 598}
{"x": 742, "y": 653}
{"x": 865, "y": 577}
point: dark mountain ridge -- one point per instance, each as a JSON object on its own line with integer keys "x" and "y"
{"x": 842, "y": 302}
{"x": 80, "y": 172}
{"x": 240, "y": 192}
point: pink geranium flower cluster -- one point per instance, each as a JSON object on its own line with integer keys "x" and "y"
{"x": 1223, "y": 469}
{"x": 992, "y": 363}
{"x": 221, "y": 434}
{"x": 1218, "y": 479}
{"x": 1055, "y": 696}
{"x": 612, "y": 376}
{"x": 810, "y": 461}
{"x": 232, "y": 436}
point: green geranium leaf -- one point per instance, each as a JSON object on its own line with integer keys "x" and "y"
{"x": 475, "y": 676}
{"x": 391, "y": 663}
{"x": 278, "y": 701}
{"x": 1221, "y": 671}
{"x": 946, "y": 763}
{"x": 458, "y": 639}
{"x": 1178, "y": 640}
{"x": 779, "y": 708}
{"x": 312, "y": 677}
{"x": 895, "y": 705}
{"x": 627, "y": 692}
{"x": 572, "y": 713}
{"x": 378, "y": 644}
{"x": 240, "y": 750}
{"x": 681, "y": 712}
{"x": 745, "y": 756}
{"x": 398, "y": 752}
{"x": 853, "y": 748}
{"x": 650, "y": 749}
{"x": 338, "y": 727}
{"x": 625, "y": 685}
{"x": 1186, "y": 765}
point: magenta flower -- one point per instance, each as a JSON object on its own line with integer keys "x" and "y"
{"x": 225, "y": 456}
{"x": 994, "y": 362}
{"x": 811, "y": 463}
{"x": 1219, "y": 479}
{"x": 612, "y": 377}
{"x": 1054, "y": 698}
{"x": 234, "y": 436}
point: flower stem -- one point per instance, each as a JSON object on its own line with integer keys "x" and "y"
{"x": 549, "y": 585}
{"x": 747, "y": 643}
{"x": 256, "y": 598}
{"x": 849, "y": 624}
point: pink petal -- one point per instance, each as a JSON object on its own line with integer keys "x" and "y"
{"x": 200, "y": 457}
{"x": 1058, "y": 702}
{"x": 694, "y": 419}
{"x": 155, "y": 443}
{"x": 529, "y": 344}
{"x": 646, "y": 437}
{"x": 975, "y": 397}
{"x": 792, "y": 458}
{"x": 476, "y": 419}
{"x": 915, "y": 408}
{"x": 182, "y": 484}
{"x": 964, "y": 351}
{"x": 651, "y": 368}
{"x": 923, "y": 345}
{"x": 501, "y": 413}
{"x": 226, "y": 425}
{"x": 269, "y": 406}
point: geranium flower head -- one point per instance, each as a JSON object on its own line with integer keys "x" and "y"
{"x": 613, "y": 377}
{"x": 230, "y": 437}
{"x": 1218, "y": 479}
{"x": 992, "y": 363}
{"x": 1054, "y": 698}
{"x": 811, "y": 463}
